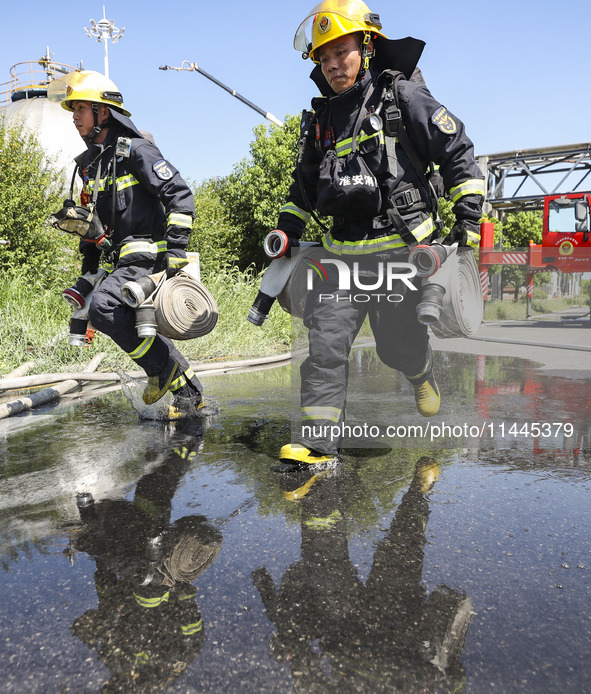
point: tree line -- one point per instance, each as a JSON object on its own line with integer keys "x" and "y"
{"x": 234, "y": 213}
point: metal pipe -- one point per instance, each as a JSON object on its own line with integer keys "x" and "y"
{"x": 49, "y": 394}
{"x": 193, "y": 67}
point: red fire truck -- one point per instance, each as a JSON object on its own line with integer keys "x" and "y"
{"x": 566, "y": 241}
{"x": 566, "y": 234}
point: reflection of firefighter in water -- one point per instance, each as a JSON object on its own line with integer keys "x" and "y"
{"x": 147, "y": 627}
{"x": 388, "y": 634}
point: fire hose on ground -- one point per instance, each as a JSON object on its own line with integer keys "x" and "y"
{"x": 47, "y": 395}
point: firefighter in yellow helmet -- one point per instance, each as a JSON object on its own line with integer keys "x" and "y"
{"x": 147, "y": 626}
{"x": 333, "y": 19}
{"x": 145, "y": 212}
{"x": 366, "y": 151}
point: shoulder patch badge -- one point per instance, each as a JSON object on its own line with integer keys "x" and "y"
{"x": 162, "y": 169}
{"x": 443, "y": 120}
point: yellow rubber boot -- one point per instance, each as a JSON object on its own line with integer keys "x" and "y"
{"x": 427, "y": 397}
{"x": 159, "y": 384}
{"x": 187, "y": 400}
{"x": 295, "y": 452}
{"x": 183, "y": 409}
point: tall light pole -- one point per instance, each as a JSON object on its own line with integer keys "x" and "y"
{"x": 104, "y": 31}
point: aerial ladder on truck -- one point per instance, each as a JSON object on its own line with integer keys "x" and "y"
{"x": 519, "y": 181}
{"x": 566, "y": 242}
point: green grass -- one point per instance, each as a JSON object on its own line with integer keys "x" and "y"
{"x": 517, "y": 310}
{"x": 34, "y": 326}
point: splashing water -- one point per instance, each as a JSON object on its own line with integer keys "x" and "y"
{"x": 132, "y": 389}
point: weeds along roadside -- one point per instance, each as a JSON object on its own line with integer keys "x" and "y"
{"x": 34, "y": 327}
{"x": 509, "y": 309}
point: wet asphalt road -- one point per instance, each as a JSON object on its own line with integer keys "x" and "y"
{"x": 431, "y": 561}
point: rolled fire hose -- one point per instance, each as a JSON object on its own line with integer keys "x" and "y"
{"x": 463, "y": 308}
{"x": 184, "y": 308}
{"x": 462, "y": 311}
{"x": 292, "y": 298}
{"x": 188, "y": 559}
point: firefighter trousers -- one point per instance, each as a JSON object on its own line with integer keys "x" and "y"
{"x": 333, "y": 317}
{"x": 109, "y": 314}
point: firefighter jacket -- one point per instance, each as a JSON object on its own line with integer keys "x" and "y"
{"x": 145, "y": 636}
{"x": 401, "y": 195}
{"x": 145, "y": 205}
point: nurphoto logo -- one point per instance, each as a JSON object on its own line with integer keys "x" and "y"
{"x": 364, "y": 288}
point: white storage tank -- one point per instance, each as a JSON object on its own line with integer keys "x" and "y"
{"x": 24, "y": 98}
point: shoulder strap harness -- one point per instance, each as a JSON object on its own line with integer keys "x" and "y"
{"x": 393, "y": 130}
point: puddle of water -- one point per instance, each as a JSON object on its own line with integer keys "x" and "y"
{"x": 190, "y": 565}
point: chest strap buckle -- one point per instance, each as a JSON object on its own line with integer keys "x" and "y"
{"x": 406, "y": 198}
{"x": 392, "y": 120}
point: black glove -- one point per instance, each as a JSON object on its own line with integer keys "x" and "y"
{"x": 176, "y": 259}
{"x": 464, "y": 234}
{"x": 91, "y": 256}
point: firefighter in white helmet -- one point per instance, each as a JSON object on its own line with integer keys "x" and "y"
{"x": 146, "y": 211}
{"x": 365, "y": 152}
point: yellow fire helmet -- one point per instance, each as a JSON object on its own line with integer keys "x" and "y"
{"x": 86, "y": 85}
{"x": 332, "y": 19}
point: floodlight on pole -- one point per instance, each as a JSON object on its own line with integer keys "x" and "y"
{"x": 104, "y": 31}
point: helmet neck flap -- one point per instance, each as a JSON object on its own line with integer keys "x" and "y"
{"x": 388, "y": 54}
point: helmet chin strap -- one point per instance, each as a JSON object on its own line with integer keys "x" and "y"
{"x": 89, "y": 139}
{"x": 366, "y": 54}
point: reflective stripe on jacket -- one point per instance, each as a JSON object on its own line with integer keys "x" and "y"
{"x": 437, "y": 136}
{"x": 142, "y": 199}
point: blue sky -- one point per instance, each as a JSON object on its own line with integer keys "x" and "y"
{"x": 515, "y": 72}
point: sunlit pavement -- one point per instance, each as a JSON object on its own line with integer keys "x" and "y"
{"x": 429, "y": 559}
